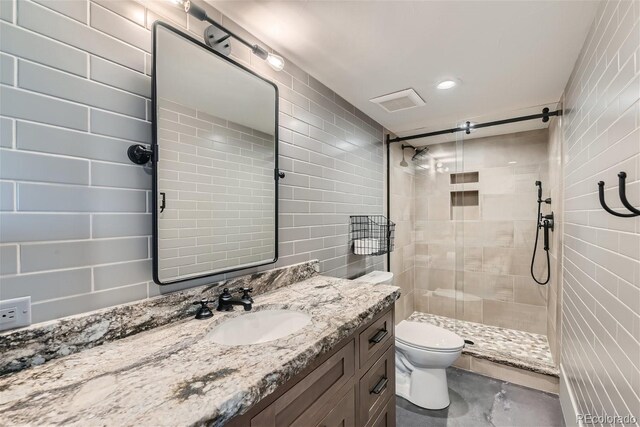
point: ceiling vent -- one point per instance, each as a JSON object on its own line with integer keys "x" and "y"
{"x": 400, "y": 100}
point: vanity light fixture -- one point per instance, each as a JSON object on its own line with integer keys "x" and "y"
{"x": 217, "y": 40}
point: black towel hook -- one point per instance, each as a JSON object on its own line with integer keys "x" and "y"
{"x": 623, "y": 198}
{"x": 622, "y": 176}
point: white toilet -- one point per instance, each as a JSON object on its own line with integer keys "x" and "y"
{"x": 376, "y": 278}
{"x": 423, "y": 353}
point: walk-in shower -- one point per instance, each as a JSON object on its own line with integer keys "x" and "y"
{"x": 464, "y": 247}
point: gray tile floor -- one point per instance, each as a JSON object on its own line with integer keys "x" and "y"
{"x": 482, "y": 401}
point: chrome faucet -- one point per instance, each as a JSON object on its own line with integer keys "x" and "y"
{"x": 226, "y": 301}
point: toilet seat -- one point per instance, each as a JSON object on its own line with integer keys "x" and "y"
{"x": 424, "y": 336}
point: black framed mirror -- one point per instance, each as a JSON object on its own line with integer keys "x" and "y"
{"x": 215, "y": 161}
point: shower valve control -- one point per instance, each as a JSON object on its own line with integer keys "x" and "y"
{"x": 547, "y": 221}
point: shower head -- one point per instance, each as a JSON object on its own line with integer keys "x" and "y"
{"x": 420, "y": 153}
{"x": 404, "y": 163}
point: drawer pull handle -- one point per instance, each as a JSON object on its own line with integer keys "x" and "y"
{"x": 378, "y": 336}
{"x": 380, "y": 387}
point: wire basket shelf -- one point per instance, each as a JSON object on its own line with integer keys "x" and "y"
{"x": 371, "y": 234}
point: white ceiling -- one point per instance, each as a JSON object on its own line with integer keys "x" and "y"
{"x": 508, "y": 55}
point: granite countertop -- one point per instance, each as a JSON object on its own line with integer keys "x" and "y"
{"x": 175, "y": 375}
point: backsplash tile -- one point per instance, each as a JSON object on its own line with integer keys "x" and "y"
{"x": 81, "y": 97}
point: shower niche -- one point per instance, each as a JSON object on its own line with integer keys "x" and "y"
{"x": 464, "y": 196}
{"x": 464, "y": 177}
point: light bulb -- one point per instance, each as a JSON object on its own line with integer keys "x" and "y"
{"x": 275, "y": 61}
{"x": 439, "y": 164}
{"x": 446, "y": 84}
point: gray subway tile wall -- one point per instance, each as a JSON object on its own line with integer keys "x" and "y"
{"x": 76, "y": 94}
{"x": 42, "y": 50}
{"x": 600, "y": 325}
{"x": 192, "y": 240}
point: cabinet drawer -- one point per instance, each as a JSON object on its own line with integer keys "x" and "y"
{"x": 343, "y": 414}
{"x": 299, "y": 404}
{"x": 387, "y": 417}
{"x": 377, "y": 386}
{"x": 375, "y": 338}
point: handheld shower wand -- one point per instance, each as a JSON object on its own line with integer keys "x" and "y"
{"x": 545, "y": 222}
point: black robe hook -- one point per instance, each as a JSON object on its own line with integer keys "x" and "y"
{"x": 622, "y": 176}
{"x": 622, "y": 197}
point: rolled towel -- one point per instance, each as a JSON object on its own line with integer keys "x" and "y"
{"x": 366, "y": 246}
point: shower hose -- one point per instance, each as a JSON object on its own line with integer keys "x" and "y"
{"x": 535, "y": 249}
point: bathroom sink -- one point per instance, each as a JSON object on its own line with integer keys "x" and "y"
{"x": 259, "y": 327}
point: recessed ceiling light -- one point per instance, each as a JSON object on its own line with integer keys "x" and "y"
{"x": 439, "y": 164}
{"x": 446, "y": 84}
{"x": 513, "y": 162}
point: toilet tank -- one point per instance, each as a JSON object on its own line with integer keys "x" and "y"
{"x": 377, "y": 278}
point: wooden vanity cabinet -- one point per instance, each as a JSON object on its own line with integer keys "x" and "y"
{"x": 351, "y": 385}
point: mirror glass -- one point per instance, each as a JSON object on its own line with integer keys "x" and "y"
{"x": 215, "y": 126}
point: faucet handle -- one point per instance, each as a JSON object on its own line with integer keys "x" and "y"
{"x": 204, "y": 312}
{"x": 245, "y": 293}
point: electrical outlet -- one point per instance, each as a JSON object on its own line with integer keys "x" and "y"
{"x": 15, "y": 313}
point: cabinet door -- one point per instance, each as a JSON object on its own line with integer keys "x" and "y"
{"x": 377, "y": 386}
{"x": 343, "y": 414}
{"x": 386, "y": 418}
{"x": 300, "y": 404}
{"x": 375, "y": 338}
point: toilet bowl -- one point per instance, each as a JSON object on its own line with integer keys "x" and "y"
{"x": 423, "y": 353}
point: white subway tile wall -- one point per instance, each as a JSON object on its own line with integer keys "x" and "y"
{"x": 600, "y": 342}
{"x": 75, "y": 212}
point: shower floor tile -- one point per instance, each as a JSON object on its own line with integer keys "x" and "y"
{"x": 523, "y": 350}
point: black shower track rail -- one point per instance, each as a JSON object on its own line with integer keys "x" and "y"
{"x": 469, "y": 127}
{"x": 545, "y": 115}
